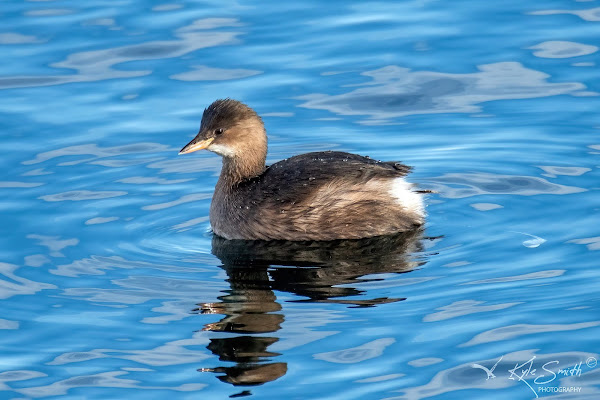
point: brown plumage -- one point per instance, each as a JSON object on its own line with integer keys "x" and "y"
{"x": 314, "y": 196}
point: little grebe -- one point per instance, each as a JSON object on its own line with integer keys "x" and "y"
{"x": 315, "y": 196}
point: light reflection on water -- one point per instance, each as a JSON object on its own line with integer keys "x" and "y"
{"x": 113, "y": 287}
{"x": 397, "y": 92}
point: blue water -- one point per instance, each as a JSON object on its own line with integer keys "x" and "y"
{"x": 113, "y": 287}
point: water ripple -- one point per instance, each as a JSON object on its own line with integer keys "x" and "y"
{"x": 99, "y": 265}
{"x": 396, "y": 92}
{"x": 100, "y": 220}
{"x": 204, "y": 73}
{"x": 553, "y": 171}
{"x": 424, "y": 362}
{"x": 17, "y": 38}
{"x": 592, "y": 243}
{"x": 562, "y": 49}
{"x": 6, "y": 184}
{"x": 183, "y": 199}
{"x": 512, "y": 331}
{"x": 111, "y": 379}
{"x": 97, "y": 151}
{"x": 464, "y": 307}
{"x": 82, "y": 195}
{"x": 167, "y": 7}
{"x": 97, "y": 65}
{"x": 13, "y": 285}
{"x": 54, "y": 243}
{"x": 357, "y": 354}
{"x": 7, "y": 324}
{"x": 485, "y": 206}
{"x": 36, "y": 260}
{"x": 144, "y": 180}
{"x": 473, "y": 184}
{"x": 552, "y": 273}
{"x": 591, "y": 14}
{"x": 49, "y": 12}
{"x": 18, "y": 375}
{"x": 171, "y": 353}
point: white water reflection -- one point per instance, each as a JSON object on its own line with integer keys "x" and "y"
{"x": 204, "y": 73}
{"x": 82, "y": 195}
{"x": 424, "y": 362}
{"x": 170, "y": 310}
{"x": 16, "y": 376}
{"x": 485, "y": 206}
{"x": 187, "y": 166}
{"x": 17, "y": 38}
{"x": 356, "y": 354}
{"x": 13, "y": 285}
{"x": 167, "y": 7}
{"x": 553, "y": 171}
{"x": 49, "y": 12}
{"x": 187, "y": 224}
{"x": 592, "y": 243}
{"x": 188, "y": 198}
{"x": 97, "y": 151}
{"x": 473, "y": 184}
{"x": 380, "y": 378}
{"x": 513, "y": 331}
{"x": 211, "y": 23}
{"x": 594, "y": 147}
{"x": 551, "y": 273}
{"x": 170, "y": 353}
{"x": 36, "y": 260}
{"x": 100, "y": 220}
{"x": 457, "y": 264}
{"x": 394, "y": 91}
{"x": 464, "y": 307}
{"x": 99, "y": 265}
{"x": 118, "y": 163}
{"x": 7, "y": 324}
{"x": 99, "y": 65}
{"x": 100, "y": 22}
{"x": 145, "y": 180}
{"x": 13, "y": 184}
{"x": 54, "y": 243}
{"x": 590, "y": 14}
{"x": 584, "y": 64}
{"x": 562, "y": 49}
{"x": 111, "y": 379}
{"x": 36, "y": 172}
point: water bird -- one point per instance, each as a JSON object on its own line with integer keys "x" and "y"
{"x": 318, "y": 196}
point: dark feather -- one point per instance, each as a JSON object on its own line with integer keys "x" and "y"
{"x": 287, "y": 201}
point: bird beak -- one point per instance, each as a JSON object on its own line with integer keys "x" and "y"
{"x": 196, "y": 144}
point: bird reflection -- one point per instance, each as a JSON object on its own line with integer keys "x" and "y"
{"x": 255, "y": 269}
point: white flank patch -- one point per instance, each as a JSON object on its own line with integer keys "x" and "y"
{"x": 221, "y": 150}
{"x": 407, "y": 198}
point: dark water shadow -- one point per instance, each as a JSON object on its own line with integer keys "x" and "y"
{"x": 314, "y": 270}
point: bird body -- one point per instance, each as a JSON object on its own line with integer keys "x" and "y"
{"x": 314, "y": 196}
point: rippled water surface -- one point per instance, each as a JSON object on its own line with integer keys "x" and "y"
{"x": 112, "y": 285}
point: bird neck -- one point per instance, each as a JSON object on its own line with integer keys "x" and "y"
{"x": 247, "y": 160}
{"x": 240, "y": 168}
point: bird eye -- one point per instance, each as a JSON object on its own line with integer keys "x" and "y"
{"x": 219, "y": 131}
